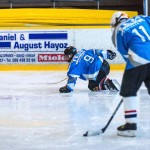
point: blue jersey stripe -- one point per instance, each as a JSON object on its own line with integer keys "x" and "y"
{"x": 48, "y": 36}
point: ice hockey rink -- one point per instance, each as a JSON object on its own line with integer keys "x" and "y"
{"x": 35, "y": 116}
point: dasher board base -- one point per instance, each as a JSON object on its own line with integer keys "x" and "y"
{"x": 49, "y": 67}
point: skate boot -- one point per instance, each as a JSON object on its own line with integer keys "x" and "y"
{"x": 128, "y": 130}
{"x": 112, "y": 85}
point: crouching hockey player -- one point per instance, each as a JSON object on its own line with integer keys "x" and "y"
{"x": 132, "y": 39}
{"x": 89, "y": 65}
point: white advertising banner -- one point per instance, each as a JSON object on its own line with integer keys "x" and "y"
{"x": 26, "y": 47}
{"x": 47, "y": 46}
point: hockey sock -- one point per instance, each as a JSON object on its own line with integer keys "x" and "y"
{"x": 130, "y": 109}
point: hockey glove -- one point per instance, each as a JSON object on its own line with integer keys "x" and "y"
{"x": 64, "y": 89}
{"x": 111, "y": 54}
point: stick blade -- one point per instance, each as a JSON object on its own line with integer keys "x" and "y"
{"x": 93, "y": 133}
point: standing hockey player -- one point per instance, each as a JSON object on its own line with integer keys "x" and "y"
{"x": 89, "y": 65}
{"x": 131, "y": 37}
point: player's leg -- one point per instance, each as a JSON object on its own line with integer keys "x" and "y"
{"x": 98, "y": 84}
{"x": 94, "y": 85}
{"x": 102, "y": 82}
{"x": 109, "y": 84}
{"x": 147, "y": 81}
{"x": 147, "y": 84}
{"x": 132, "y": 80}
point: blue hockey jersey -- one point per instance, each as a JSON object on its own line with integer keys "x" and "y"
{"x": 85, "y": 65}
{"x": 132, "y": 39}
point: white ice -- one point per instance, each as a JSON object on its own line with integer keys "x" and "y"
{"x": 35, "y": 116}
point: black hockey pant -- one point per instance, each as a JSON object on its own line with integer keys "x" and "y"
{"x": 133, "y": 79}
{"x": 104, "y": 71}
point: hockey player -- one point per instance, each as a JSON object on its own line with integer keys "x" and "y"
{"x": 89, "y": 65}
{"x": 132, "y": 39}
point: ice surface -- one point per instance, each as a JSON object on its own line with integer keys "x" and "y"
{"x": 35, "y": 116}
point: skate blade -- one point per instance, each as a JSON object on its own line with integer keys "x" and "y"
{"x": 128, "y": 133}
{"x": 116, "y": 85}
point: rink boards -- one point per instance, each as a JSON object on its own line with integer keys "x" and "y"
{"x": 34, "y": 39}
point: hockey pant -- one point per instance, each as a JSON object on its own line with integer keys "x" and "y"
{"x": 104, "y": 71}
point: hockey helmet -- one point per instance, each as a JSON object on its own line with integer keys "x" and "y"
{"x": 117, "y": 18}
{"x": 69, "y": 52}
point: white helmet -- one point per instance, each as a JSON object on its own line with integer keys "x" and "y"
{"x": 118, "y": 17}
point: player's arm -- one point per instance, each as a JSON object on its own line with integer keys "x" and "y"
{"x": 73, "y": 73}
{"x": 121, "y": 44}
{"x": 70, "y": 85}
{"x": 118, "y": 41}
{"x": 108, "y": 54}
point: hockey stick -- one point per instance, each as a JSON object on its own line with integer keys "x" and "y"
{"x": 100, "y": 131}
{"x": 57, "y": 82}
